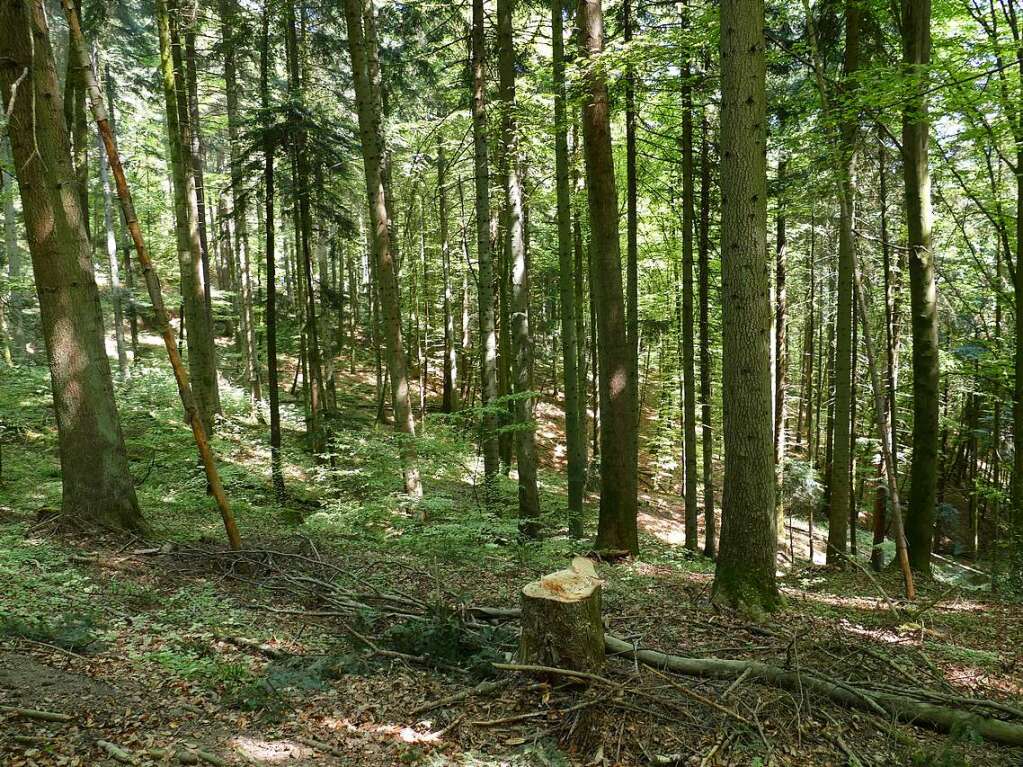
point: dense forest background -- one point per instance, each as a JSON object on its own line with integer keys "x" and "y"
{"x": 356, "y": 317}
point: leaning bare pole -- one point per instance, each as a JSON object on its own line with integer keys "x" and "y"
{"x": 884, "y": 428}
{"x": 80, "y": 50}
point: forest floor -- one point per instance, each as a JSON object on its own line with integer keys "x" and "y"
{"x": 333, "y": 637}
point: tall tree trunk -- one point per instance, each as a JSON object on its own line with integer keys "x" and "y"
{"x": 838, "y": 511}
{"x": 515, "y": 249}
{"x": 632, "y": 233}
{"x": 304, "y": 227}
{"x": 781, "y": 359}
{"x": 706, "y": 364}
{"x": 13, "y": 250}
{"x": 190, "y": 20}
{"x": 616, "y": 528}
{"x": 1017, "y": 410}
{"x": 229, "y": 29}
{"x": 923, "y": 472}
{"x": 575, "y": 436}
{"x": 687, "y": 330}
{"x": 199, "y": 337}
{"x": 580, "y": 261}
{"x": 891, "y": 296}
{"x": 276, "y": 469}
{"x": 806, "y": 392}
{"x": 371, "y": 135}
{"x": 115, "y": 272}
{"x": 488, "y": 332}
{"x": 745, "y": 573}
{"x": 78, "y": 130}
{"x": 97, "y": 484}
{"x": 450, "y": 402}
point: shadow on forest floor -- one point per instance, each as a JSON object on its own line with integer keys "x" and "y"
{"x": 326, "y": 639}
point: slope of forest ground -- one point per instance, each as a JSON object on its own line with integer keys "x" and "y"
{"x": 328, "y": 637}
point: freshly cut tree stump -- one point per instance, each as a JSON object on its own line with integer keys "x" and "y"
{"x": 561, "y": 623}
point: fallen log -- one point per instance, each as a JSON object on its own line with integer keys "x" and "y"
{"x": 899, "y": 707}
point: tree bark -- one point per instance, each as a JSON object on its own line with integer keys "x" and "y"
{"x": 304, "y": 226}
{"x": 745, "y": 573}
{"x": 561, "y": 619}
{"x": 632, "y": 228}
{"x": 17, "y": 322}
{"x": 270, "y": 229}
{"x": 199, "y": 337}
{"x": 97, "y": 484}
{"x": 452, "y": 391}
{"x": 616, "y": 528}
{"x": 114, "y": 267}
{"x": 923, "y": 472}
{"x": 780, "y": 351}
{"x": 575, "y": 436}
{"x": 840, "y": 497}
{"x": 488, "y": 333}
{"x": 515, "y": 250}
{"x": 370, "y": 132}
{"x": 706, "y": 364}
{"x": 687, "y": 329}
{"x": 189, "y": 19}
{"x": 228, "y": 32}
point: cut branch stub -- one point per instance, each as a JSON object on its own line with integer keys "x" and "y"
{"x": 561, "y": 622}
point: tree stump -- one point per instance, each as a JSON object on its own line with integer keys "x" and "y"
{"x": 561, "y": 622}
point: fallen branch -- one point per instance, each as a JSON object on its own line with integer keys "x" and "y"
{"x": 534, "y": 714}
{"x": 31, "y": 713}
{"x": 116, "y": 752}
{"x": 900, "y": 707}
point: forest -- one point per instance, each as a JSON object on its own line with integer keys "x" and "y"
{"x": 502, "y": 383}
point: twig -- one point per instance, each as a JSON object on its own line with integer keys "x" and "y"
{"x": 742, "y": 678}
{"x": 554, "y": 670}
{"x": 49, "y": 646}
{"x": 533, "y": 714}
{"x": 483, "y": 688}
{"x": 701, "y": 699}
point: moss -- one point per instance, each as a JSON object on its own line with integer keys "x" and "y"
{"x": 740, "y": 589}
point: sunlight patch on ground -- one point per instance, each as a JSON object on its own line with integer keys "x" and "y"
{"x": 856, "y": 603}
